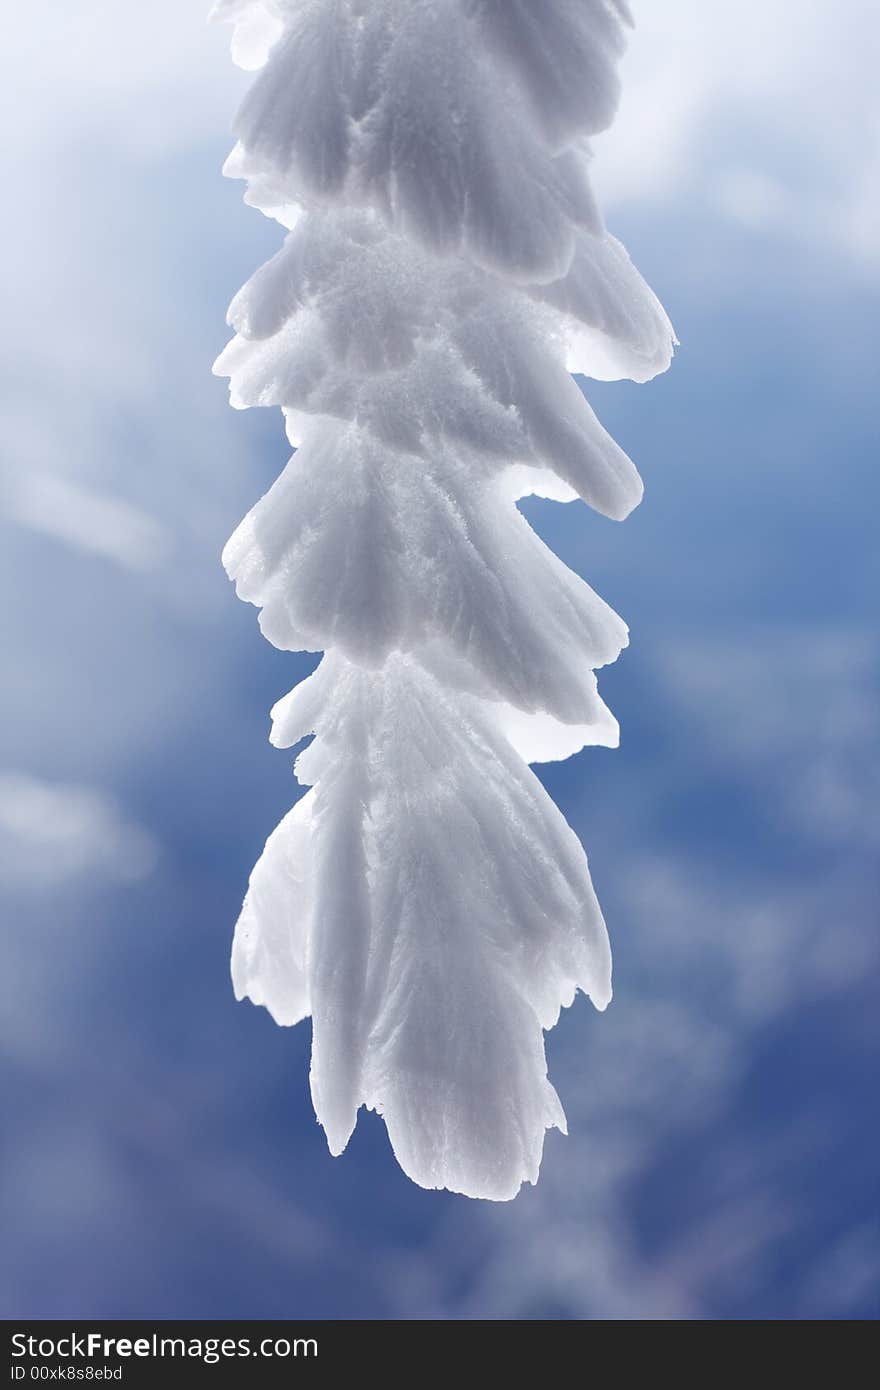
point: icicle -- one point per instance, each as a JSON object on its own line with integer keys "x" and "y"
{"x": 445, "y": 271}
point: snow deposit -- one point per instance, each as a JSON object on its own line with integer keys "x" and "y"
{"x": 445, "y": 271}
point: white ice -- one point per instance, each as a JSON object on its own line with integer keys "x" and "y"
{"x": 445, "y": 271}
{"x": 350, "y": 322}
{"x": 431, "y": 909}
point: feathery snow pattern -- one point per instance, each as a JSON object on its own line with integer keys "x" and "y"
{"x": 445, "y": 271}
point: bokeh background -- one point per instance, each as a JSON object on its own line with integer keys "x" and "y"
{"x": 160, "y": 1156}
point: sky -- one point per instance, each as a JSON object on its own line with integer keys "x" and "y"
{"x": 161, "y": 1157}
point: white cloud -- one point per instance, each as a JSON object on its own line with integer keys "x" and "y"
{"x": 762, "y": 109}
{"x": 153, "y": 73}
{"x": 752, "y": 198}
{"x": 53, "y": 833}
{"x": 84, "y": 519}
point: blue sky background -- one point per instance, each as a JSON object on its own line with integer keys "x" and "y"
{"x": 160, "y": 1155}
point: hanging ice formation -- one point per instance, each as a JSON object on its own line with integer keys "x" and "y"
{"x": 445, "y": 270}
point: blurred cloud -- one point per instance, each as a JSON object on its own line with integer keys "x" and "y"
{"x": 84, "y": 519}
{"x": 763, "y": 110}
{"x": 52, "y": 834}
{"x": 848, "y": 1276}
{"x": 802, "y": 704}
{"x": 162, "y": 65}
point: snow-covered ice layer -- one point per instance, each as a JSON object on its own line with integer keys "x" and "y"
{"x": 350, "y": 322}
{"x": 367, "y": 551}
{"x": 444, "y": 273}
{"x": 402, "y": 105}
